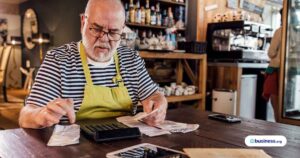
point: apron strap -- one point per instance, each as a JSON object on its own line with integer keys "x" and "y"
{"x": 85, "y": 66}
{"x": 118, "y": 78}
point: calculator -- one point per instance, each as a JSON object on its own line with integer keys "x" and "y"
{"x": 102, "y": 130}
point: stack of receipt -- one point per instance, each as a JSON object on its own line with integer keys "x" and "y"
{"x": 167, "y": 127}
{"x": 65, "y": 135}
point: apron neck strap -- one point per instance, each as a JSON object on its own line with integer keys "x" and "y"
{"x": 85, "y": 66}
{"x": 118, "y": 78}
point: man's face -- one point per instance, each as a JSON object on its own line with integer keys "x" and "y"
{"x": 101, "y": 32}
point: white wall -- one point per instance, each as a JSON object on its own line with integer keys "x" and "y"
{"x": 14, "y": 29}
{"x": 271, "y": 15}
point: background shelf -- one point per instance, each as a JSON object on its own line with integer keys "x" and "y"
{"x": 171, "y": 2}
{"x": 149, "y": 26}
{"x": 184, "y": 98}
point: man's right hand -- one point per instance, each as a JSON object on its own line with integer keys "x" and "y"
{"x": 54, "y": 110}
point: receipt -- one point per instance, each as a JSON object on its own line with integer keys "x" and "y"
{"x": 65, "y": 135}
{"x": 144, "y": 128}
{"x": 177, "y": 127}
{"x": 167, "y": 127}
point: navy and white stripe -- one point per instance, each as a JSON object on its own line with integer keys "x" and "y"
{"x": 61, "y": 76}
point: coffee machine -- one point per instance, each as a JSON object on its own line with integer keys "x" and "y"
{"x": 238, "y": 40}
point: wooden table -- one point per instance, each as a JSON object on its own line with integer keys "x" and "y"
{"x": 211, "y": 134}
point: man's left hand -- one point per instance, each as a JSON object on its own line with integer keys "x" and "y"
{"x": 155, "y": 101}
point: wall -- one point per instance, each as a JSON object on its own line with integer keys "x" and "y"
{"x": 6, "y": 8}
{"x": 205, "y": 17}
{"x": 191, "y": 34}
{"x": 59, "y": 18}
{"x": 10, "y": 12}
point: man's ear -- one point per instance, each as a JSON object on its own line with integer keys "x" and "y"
{"x": 82, "y": 21}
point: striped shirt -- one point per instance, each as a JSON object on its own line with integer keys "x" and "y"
{"x": 61, "y": 76}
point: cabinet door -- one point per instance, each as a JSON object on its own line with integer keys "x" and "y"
{"x": 290, "y": 64}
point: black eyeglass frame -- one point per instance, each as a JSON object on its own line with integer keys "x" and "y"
{"x": 99, "y": 32}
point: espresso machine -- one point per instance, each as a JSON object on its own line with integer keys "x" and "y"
{"x": 238, "y": 40}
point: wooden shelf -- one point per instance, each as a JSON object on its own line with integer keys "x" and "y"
{"x": 198, "y": 77}
{"x": 164, "y": 80}
{"x": 150, "y": 26}
{"x": 168, "y": 55}
{"x": 171, "y": 2}
{"x": 146, "y": 26}
{"x": 184, "y": 98}
{"x": 173, "y": 99}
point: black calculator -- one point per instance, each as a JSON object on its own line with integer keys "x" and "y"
{"x": 102, "y": 130}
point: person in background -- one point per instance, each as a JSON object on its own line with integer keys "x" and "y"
{"x": 271, "y": 84}
{"x": 94, "y": 78}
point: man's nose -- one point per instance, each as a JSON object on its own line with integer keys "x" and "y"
{"x": 104, "y": 38}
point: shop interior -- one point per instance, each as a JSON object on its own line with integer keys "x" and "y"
{"x": 208, "y": 55}
{"x": 225, "y": 58}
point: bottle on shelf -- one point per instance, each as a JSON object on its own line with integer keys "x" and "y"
{"x": 143, "y": 39}
{"x": 162, "y": 39}
{"x": 174, "y": 42}
{"x": 147, "y": 13}
{"x": 138, "y": 12}
{"x": 180, "y": 13}
{"x": 170, "y": 18}
{"x": 143, "y": 15}
{"x": 180, "y": 38}
{"x": 158, "y": 15}
{"x": 126, "y": 12}
{"x": 165, "y": 18}
{"x": 153, "y": 15}
{"x": 149, "y": 34}
{"x": 131, "y": 12}
{"x": 137, "y": 40}
{"x": 144, "y": 36}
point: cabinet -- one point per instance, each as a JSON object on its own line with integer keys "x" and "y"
{"x": 289, "y": 90}
{"x": 225, "y": 75}
{"x": 160, "y": 7}
{"x": 198, "y": 78}
{"x": 149, "y": 19}
{"x": 178, "y": 8}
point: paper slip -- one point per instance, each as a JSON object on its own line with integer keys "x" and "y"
{"x": 144, "y": 128}
{"x": 143, "y": 115}
{"x": 65, "y": 135}
{"x": 177, "y": 127}
{"x": 167, "y": 127}
{"x": 225, "y": 153}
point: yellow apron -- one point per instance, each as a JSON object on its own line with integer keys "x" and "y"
{"x": 100, "y": 101}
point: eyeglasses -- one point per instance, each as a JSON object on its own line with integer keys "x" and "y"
{"x": 99, "y": 32}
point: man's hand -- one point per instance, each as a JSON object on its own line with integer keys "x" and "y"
{"x": 155, "y": 101}
{"x": 54, "y": 110}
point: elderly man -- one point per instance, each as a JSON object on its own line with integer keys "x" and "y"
{"x": 94, "y": 78}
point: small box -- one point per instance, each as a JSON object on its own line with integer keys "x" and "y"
{"x": 193, "y": 47}
{"x": 224, "y": 101}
